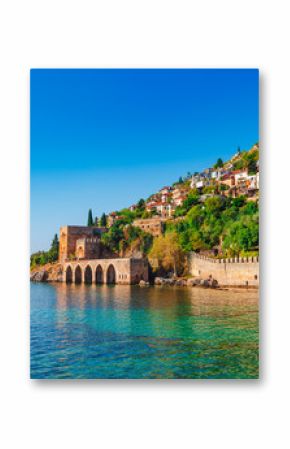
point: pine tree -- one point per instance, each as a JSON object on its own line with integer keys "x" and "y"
{"x": 103, "y": 221}
{"x": 90, "y": 218}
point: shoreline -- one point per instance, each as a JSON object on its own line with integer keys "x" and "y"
{"x": 242, "y": 288}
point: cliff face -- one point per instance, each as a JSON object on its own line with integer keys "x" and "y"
{"x": 51, "y": 272}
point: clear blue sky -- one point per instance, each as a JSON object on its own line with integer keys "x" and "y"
{"x": 102, "y": 139}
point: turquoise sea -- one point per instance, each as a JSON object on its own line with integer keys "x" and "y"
{"x": 90, "y": 332}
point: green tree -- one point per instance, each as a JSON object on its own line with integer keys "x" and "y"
{"x": 90, "y": 218}
{"x": 242, "y": 235}
{"x": 96, "y": 221}
{"x": 54, "y": 249}
{"x": 219, "y": 163}
{"x": 141, "y": 204}
{"x": 167, "y": 250}
{"x": 44, "y": 257}
{"x": 190, "y": 201}
{"x": 103, "y": 220}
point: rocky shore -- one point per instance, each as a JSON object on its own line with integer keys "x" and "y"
{"x": 191, "y": 282}
{"x": 47, "y": 273}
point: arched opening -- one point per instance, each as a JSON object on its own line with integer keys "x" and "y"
{"x": 80, "y": 252}
{"x": 111, "y": 275}
{"x": 88, "y": 275}
{"x": 78, "y": 275}
{"x": 68, "y": 275}
{"x": 99, "y": 275}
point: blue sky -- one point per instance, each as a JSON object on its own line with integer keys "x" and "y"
{"x": 103, "y": 139}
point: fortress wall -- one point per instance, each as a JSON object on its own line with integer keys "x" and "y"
{"x": 139, "y": 270}
{"x": 228, "y": 272}
{"x": 69, "y": 236}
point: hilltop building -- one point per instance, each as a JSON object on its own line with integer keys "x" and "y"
{"x": 154, "y": 226}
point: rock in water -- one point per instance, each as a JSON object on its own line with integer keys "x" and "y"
{"x": 39, "y": 276}
{"x": 143, "y": 283}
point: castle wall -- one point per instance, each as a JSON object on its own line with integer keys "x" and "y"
{"x": 69, "y": 236}
{"x": 88, "y": 248}
{"x": 228, "y": 272}
{"x": 139, "y": 270}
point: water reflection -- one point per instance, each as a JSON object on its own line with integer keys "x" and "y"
{"x": 102, "y": 331}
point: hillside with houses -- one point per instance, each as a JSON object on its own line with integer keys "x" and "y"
{"x": 236, "y": 177}
{"x": 214, "y": 213}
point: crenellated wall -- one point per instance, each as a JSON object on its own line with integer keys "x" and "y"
{"x": 69, "y": 235}
{"x": 234, "y": 272}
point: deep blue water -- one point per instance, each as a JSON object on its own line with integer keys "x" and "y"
{"x": 89, "y": 332}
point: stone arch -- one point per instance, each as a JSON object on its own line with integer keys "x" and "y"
{"x": 88, "y": 275}
{"x": 111, "y": 275}
{"x": 99, "y": 275}
{"x": 68, "y": 275}
{"x": 78, "y": 275}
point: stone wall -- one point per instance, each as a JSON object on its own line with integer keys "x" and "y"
{"x": 127, "y": 270}
{"x": 228, "y": 272}
{"x": 69, "y": 236}
{"x": 139, "y": 270}
{"x": 153, "y": 226}
{"x": 88, "y": 248}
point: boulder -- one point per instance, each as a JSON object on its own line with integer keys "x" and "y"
{"x": 192, "y": 282}
{"x": 204, "y": 283}
{"x": 213, "y": 283}
{"x": 158, "y": 281}
{"x": 39, "y": 276}
{"x": 181, "y": 282}
{"x": 143, "y": 283}
{"x": 170, "y": 282}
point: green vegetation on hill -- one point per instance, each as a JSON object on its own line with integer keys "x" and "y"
{"x": 229, "y": 225}
{"x": 205, "y": 221}
{"x": 166, "y": 249}
{"x": 43, "y": 257}
{"x": 123, "y": 237}
{"x": 247, "y": 159}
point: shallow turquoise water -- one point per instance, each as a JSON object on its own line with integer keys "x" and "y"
{"x": 89, "y": 332}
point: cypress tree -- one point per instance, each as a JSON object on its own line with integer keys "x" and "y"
{"x": 103, "y": 221}
{"x": 90, "y": 218}
{"x": 52, "y": 254}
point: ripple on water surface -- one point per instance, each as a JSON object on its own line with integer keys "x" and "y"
{"x": 89, "y": 332}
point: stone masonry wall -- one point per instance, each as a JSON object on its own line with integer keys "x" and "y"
{"x": 69, "y": 236}
{"x": 153, "y": 226}
{"x": 139, "y": 270}
{"x": 88, "y": 248}
{"x": 127, "y": 270}
{"x": 228, "y": 272}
